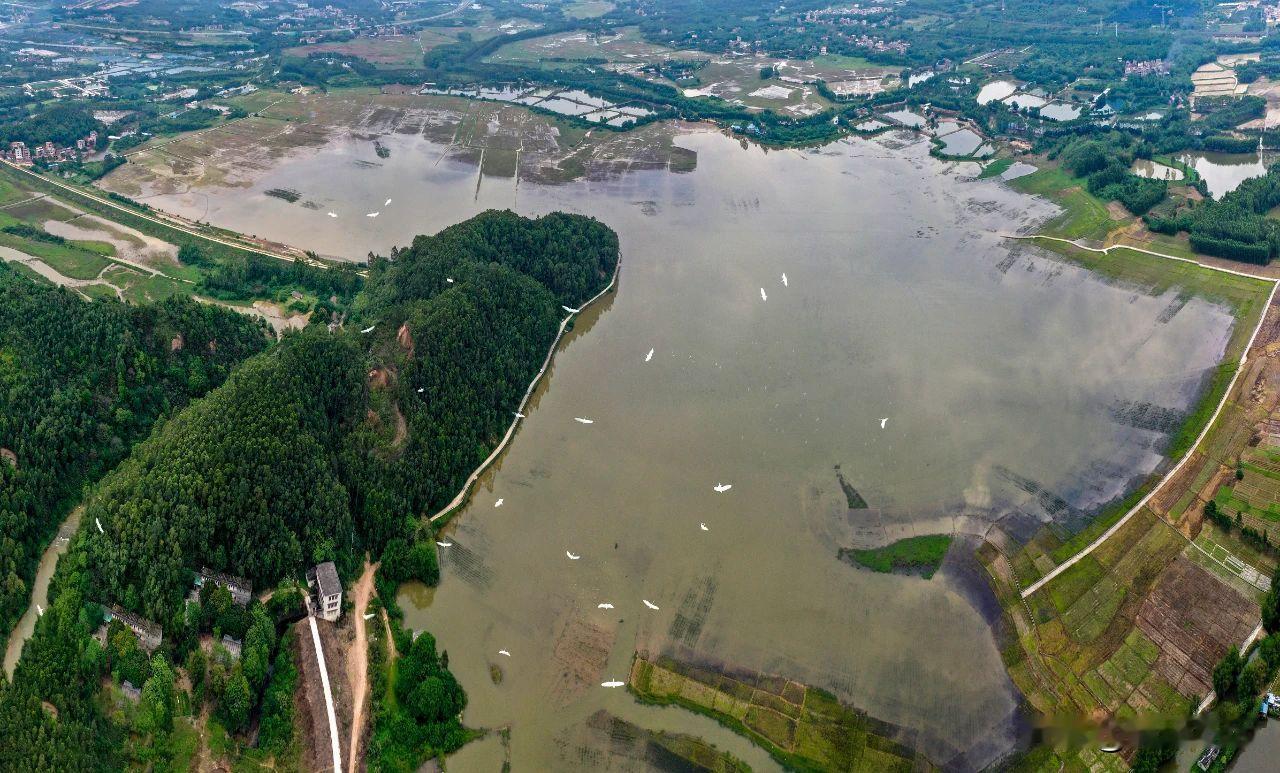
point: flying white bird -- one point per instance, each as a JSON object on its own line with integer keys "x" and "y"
{"x": 614, "y": 683}
{"x": 504, "y": 652}
{"x": 720, "y": 488}
{"x": 703, "y": 526}
{"x": 373, "y": 214}
{"x": 39, "y": 610}
{"x": 519, "y": 415}
{"x": 883, "y": 422}
{"x": 369, "y": 616}
{"x": 784, "y": 279}
{"x": 763, "y": 297}
{"x": 449, "y": 279}
{"x": 648, "y": 356}
{"x": 581, "y": 420}
{"x": 606, "y": 605}
{"x": 386, "y": 203}
{"x": 333, "y": 214}
{"x": 571, "y": 311}
{"x": 498, "y": 503}
{"x": 571, "y": 556}
{"x": 100, "y": 531}
{"x": 649, "y": 604}
{"x": 370, "y": 328}
{"x": 444, "y": 544}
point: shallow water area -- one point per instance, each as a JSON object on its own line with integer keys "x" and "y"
{"x": 1061, "y": 111}
{"x": 1223, "y": 172}
{"x": 1001, "y": 374}
{"x": 994, "y": 90}
{"x": 1154, "y": 170}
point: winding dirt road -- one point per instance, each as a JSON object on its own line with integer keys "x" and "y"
{"x": 358, "y": 660}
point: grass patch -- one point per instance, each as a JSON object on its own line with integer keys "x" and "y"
{"x": 1084, "y": 216}
{"x": 1069, "y": 586}
{"x": 916, "y": 555}
{"x": 67, "y": 259}
{"x": 995, "y": 168}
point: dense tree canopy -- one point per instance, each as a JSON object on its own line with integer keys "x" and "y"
{"x": 80, "y": 383}
{"x": 241, "y": 481}
{"x": 329, "y": 442}
{"x": 338, "y": 440}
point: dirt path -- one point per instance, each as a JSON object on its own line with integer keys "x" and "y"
{"x": 358, "y": 660}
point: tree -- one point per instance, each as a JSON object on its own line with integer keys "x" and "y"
{"x": 1269, "y": 651}
{"x": 155, "y": 708}
{"x": 256, "y": 653}
{"x": 1226, "y": 674}
{"x": 1155, "y": 750}
{"x": 1251, "y": 680}
{"x": 1271, "y": 610}
{"x": 196, "y": 666}
{"x": 233, "y": 707}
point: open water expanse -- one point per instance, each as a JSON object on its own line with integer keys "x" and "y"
{"x": 1012, "y": 385}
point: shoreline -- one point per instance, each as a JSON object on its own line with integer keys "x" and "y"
{"x": 464, "y": 495}
{"x": 1237, "y": 365}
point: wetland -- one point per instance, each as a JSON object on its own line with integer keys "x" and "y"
{"x": 1017, "y": 388}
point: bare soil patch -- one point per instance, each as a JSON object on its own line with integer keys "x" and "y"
{"x": 1194, "y": 618}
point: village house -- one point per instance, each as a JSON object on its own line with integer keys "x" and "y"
{"x": 149, "y": 634}
{"x": 19, "y": 153}
{"x": 241, "y": 590}
{"x": 232, "y": 646}
{"x": 327, "y": 588}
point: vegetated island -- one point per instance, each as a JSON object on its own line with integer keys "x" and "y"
{"x": 328, "y": 445}
{"x": 913, "y": 555}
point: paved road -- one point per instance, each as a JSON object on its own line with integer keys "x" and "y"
{"x": 328, "y": 693}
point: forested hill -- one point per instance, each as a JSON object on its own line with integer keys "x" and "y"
{"x": 241, "y": 481}
{"x": 80, "y": 383}
{"x": 332, "y": 443}
{"x": 571, "y": 255}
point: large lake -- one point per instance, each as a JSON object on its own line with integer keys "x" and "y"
{"x": 1007, "y": 378}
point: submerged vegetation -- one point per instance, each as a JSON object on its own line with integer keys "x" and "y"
{"x": 803, "y": 728}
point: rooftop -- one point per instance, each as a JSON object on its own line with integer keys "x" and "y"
{"x": 327, "y": 579}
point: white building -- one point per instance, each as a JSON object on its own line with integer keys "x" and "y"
{"x": 323, "y": 579}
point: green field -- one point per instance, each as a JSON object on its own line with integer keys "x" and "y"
{"x": 587, "y": 9}
{"x": 995, "y": 168}
{"x": 1084, "y": 215}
